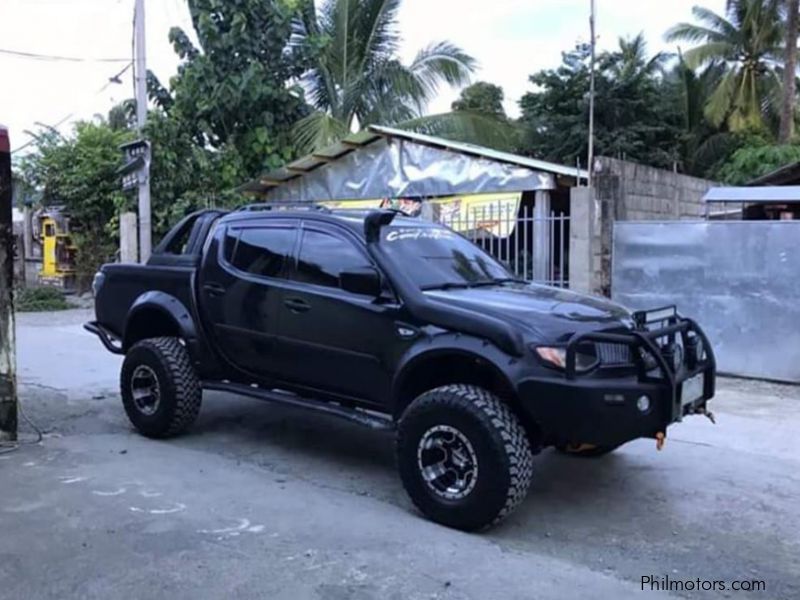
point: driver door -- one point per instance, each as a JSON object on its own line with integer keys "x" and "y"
{"x": 330, "y": 339}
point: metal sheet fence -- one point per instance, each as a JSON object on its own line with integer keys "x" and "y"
{"x": 517, "y": 249}
{"x": 739, "y": 279}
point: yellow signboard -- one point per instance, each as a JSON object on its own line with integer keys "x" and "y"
{"x": 495, "y": 214}
{"x": 492, "y": 214}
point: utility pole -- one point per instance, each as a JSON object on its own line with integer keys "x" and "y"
{"x": 140, "y": 77}
{"x": 8, "y": 380}
{"x": 590, "y": 164}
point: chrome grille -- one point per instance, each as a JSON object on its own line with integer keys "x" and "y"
{"x": 614, "y": 354}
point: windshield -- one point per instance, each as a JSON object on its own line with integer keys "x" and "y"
{"x": 435, "y": 257}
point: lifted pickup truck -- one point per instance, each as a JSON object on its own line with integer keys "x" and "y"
{"x": 400, "y": 324}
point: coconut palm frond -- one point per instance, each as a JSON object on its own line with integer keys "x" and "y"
{"x": 720, "y": 104}
{"x": 688, "y": 32}
{"x": 714, "y": 22}
{"x": 443, "y": 61}
{"x": 356, "y": 76}
{"x": 465, "y": 126}
{"x": 745, "y": 42}
{"x": 707, "y": 53}
{"x": 318, "y": 130}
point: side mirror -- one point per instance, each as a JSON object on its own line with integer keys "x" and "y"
{"x": 366, "y": 281}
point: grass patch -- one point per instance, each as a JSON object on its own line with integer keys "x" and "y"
{"x": 39, "y": 299}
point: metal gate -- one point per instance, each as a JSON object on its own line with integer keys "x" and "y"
{"x": 533, "y": 248}
{"x": 739, "y": 279}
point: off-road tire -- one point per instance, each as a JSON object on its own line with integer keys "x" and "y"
{"x": 504, "y": 457}
{"x": 594, "y": 452}
{"x": 180, "y": 393}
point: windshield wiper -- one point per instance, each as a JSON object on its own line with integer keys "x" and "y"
{"x": 445, "y": 286}
{"x": 451, "y": 285}
{"x": 497, "y": 281}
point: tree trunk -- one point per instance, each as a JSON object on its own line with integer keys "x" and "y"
{"x": 790, "y": 74}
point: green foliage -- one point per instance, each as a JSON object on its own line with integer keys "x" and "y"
{"x": 754, "y": 160}
{"x": 355, "y": 75}
{"x": 39, "y": 299}
{"x": 636, "y": 116}
{"x": 483, "y": 98}
{"x": 184, "y": 176}
{"x": 80, "y": 174}
{"x": 467, "y": 126}
{"x": 232, "y": 93}
{"x": 746, "y": 41}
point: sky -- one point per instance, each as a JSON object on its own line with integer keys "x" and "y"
{"x": 511, "y": 39}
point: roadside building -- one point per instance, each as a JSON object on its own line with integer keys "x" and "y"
{"x": 517, "y": 207}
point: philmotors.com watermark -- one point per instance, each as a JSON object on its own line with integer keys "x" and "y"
{"x": 665, "y": 583}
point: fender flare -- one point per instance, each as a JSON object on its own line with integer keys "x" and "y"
{"x": 474, "y": 348}
{"x": 169, "y": 306}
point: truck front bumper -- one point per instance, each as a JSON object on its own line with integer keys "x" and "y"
{"x": 607, "y": 409}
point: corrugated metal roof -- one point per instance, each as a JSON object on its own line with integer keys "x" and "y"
{"x": 354, "y": 141}
{"x": 788, "y": 174}
{"x": 507, "y": 157}
{"x": 786, "y": 193}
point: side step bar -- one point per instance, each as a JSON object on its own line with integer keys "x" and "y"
{"x": 355, "y": 415}
{"x": 109, "y": 340}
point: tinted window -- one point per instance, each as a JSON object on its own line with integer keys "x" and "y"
{"x": 435, "y": 256}
{"x": 229, "y": 245}
{"x": 323, "y": 257}
{"x": 180, "y": 243}
{"x": 262, "y": 251}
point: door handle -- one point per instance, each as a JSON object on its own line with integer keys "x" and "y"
{"x": 214, "y": 289}
{"x": 297, "y": 305}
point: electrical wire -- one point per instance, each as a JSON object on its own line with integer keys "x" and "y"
{"x": 53, "y": 57}
{"x": 113, "y": 79}
{"x": 8, "y": 447}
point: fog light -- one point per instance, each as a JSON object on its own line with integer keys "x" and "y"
{"x": 643, "y": 403}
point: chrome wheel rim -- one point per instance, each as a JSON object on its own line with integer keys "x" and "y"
{"x": 447, "y": 462}
{"x": 145, "y": 390}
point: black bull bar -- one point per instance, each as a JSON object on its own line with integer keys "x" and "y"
{"x": 644, "y": 340}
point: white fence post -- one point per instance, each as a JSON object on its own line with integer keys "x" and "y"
{"x": 542, "y": 240}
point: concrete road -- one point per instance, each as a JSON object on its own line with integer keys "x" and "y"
{"x": 265, "y": 502}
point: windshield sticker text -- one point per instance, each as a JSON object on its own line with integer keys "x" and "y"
{"x": 419, "y": 233}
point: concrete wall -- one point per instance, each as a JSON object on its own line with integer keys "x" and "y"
{"x": 623, "y": 191}
{"x": 641, "y": 193}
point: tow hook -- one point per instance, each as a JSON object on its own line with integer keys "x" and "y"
{"x": 709, "y": 415}
{"x": 661, "y": 439}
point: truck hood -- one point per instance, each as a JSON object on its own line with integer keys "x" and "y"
{"x": 552, "y": 314}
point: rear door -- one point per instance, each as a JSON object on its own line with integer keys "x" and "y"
{"x": 239, "y": 287}
{"x": 330, "y": 339}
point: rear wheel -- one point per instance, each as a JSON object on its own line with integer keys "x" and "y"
{"x": 464, "y": 457}
{"x": 160, "y": 389}
{"x": 585, "y": 450}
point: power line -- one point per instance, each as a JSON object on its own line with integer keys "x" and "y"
{"x": 113, "y": 79}
{"x": 52, "y": 57}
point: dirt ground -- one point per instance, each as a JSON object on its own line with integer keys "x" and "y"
{"x": 259, "y": 501}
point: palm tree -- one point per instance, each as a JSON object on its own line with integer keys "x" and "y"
{"x": 789, "y": 98}
{"x": 357, "y": 79}
{"x": 702, "y": 144}
{"x": 631, "y": 62}
{"x": 747, "y": 41}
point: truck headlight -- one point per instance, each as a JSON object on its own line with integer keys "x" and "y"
{"x": 585, "y": 357}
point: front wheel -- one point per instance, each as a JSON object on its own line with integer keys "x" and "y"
{"x": 160, "y": 389}
{"x": 464, "y": 457}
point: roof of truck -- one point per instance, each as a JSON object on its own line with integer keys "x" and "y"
{"x": 349, "y": 217}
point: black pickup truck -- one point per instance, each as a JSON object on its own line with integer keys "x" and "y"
{"x": 401, "y": 324}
